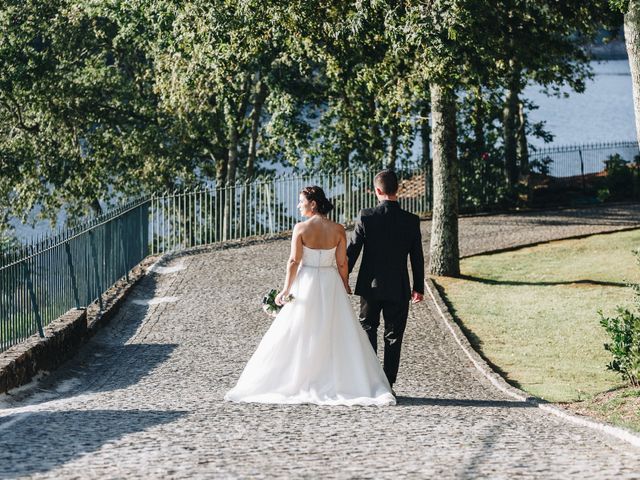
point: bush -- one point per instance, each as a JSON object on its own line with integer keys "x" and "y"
{"x": 541, "y": 166}
{"x": 624, "y": 330}
{"x": 603, "y": 194}
{"x": 619, "y": 178}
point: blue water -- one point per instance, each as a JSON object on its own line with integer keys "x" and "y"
{"x": 603, "y": 113}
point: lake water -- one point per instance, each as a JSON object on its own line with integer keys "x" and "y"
{"x": 603, "y": 113}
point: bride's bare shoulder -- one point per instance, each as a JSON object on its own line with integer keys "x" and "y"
{"x": 300, "y": 228}
{"x": 338, "y": 227}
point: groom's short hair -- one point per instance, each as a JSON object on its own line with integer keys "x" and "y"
{"x": 387, "y": 181}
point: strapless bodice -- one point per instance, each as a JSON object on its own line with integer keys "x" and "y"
{"x": 318, "y": 257}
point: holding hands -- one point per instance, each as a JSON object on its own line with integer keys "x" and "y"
{"x": 416, "y": 297}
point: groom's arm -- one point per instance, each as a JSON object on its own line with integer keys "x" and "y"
{"x": 355, "y": 243}
{"x": 417, "y": 261}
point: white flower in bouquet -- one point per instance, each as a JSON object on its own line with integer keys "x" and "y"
{"x": 269, "y": 304}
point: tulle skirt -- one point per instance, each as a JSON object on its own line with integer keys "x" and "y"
{"x": 315, "y": 351}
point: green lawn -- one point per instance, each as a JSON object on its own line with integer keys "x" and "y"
{"x": 533, "y": 312}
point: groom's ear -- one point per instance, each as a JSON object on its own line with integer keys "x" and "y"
{"x": 378, "y": 191}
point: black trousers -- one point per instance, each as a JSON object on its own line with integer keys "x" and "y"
{"x": 395, "y": 320}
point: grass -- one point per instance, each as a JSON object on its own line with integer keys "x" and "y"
{"x": 532, "y": 313}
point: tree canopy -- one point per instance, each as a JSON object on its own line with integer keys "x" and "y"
{"x": 104, "y": 99}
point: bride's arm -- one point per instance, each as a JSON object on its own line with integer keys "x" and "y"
{"x": 341, "y": 259}
{"x": 292, "y": 265}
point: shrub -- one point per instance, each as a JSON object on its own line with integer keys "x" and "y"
{"x": 541, "y": 166}
{"x": 603, "y": 194}
{"x": 624, "y": 330}
{"x": 619, "y": 177}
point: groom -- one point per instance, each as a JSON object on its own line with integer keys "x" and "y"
{"x": 388, "y": 235}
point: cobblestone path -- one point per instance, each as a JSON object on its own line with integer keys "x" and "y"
{"x": 144, "y": 398}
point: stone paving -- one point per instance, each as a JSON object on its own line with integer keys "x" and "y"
{"x": 143, "y": 399}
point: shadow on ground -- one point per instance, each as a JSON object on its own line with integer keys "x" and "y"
{"x": 489, "y": 281}
{"x": 459, "y": 402}
{"x": 113, "y": 359}
{"x": 38, "y": 442}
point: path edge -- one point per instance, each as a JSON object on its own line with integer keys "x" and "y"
{"x": 502, "y": 385}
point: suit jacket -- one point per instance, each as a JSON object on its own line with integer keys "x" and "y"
{"x": 388, "y": 235}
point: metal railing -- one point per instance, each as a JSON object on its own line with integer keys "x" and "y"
{"x": 44, "y": 280}
{"x": 41, "y": 281}
{"x": 267, "y": 207}
{"x": 580, "y": 160}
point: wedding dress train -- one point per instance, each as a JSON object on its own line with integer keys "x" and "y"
{"x": 315, "y": 351}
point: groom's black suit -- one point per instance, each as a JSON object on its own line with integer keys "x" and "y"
{"x": 388, "y": 235}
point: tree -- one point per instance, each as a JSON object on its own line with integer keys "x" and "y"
{"x": 79, "y": 119}
{"x": 450, "y": 42}
{"x": 543, "y": 42}
{"x": 444, "y": 251}
{"x": 631, "y": 10}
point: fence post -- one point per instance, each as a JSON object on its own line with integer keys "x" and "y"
{"x": 94, "y": 254}
{"x": 72, "y": 274}
{"x": 125, "y": 259}
{"x": 267, "y": 186}
{"x": 584, "y": 186}
{"x": 34, "y": 300}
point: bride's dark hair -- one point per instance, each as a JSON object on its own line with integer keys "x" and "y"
{"x": 316, "y": 194}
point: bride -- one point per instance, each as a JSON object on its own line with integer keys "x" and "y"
{"x": 315, "y": 351}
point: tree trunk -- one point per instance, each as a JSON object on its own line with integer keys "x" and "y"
{"x": 377, "y": 144}
{"x": 479, "y": 141}
{"x": 444, "y": 250}
{"x": 521, "y": 135}
{"x": 509, "y": 121}
{"x": 261, "y": 95}
{"x": 478, "y": 120}
{"x": 425, "y": 138}
{"x": 632, "y": 40}
{"x": 232, "y": 164}
{"x": 235, "y": 121}
{"x": 221, "y": 169}
{"x": 393, "y": 145}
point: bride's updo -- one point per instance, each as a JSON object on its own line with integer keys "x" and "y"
{"x": 316, "y": 194}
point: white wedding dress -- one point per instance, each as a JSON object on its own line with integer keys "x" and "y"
{"x": 315, "y": 351}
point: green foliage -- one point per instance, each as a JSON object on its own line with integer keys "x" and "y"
{"x": 80, "y": 122}
{"x": 619, "y": 178}
{"x": 541, "y": 166}
{"x": 620, "y": 5}
{"x": 105, "y": 99}
{"x": 8, "y": 241}
{"x": 603, "y": 194}
{"x": 624, "y": 330}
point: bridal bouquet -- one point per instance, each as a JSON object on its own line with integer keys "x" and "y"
{"x": 269, "y": 304}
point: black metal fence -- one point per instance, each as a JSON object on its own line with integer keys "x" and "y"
{"x": 574, "y": 160}
{"x": 43, "y": 280}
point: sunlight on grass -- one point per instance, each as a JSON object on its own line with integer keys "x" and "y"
{"x": 533, "y": 312}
